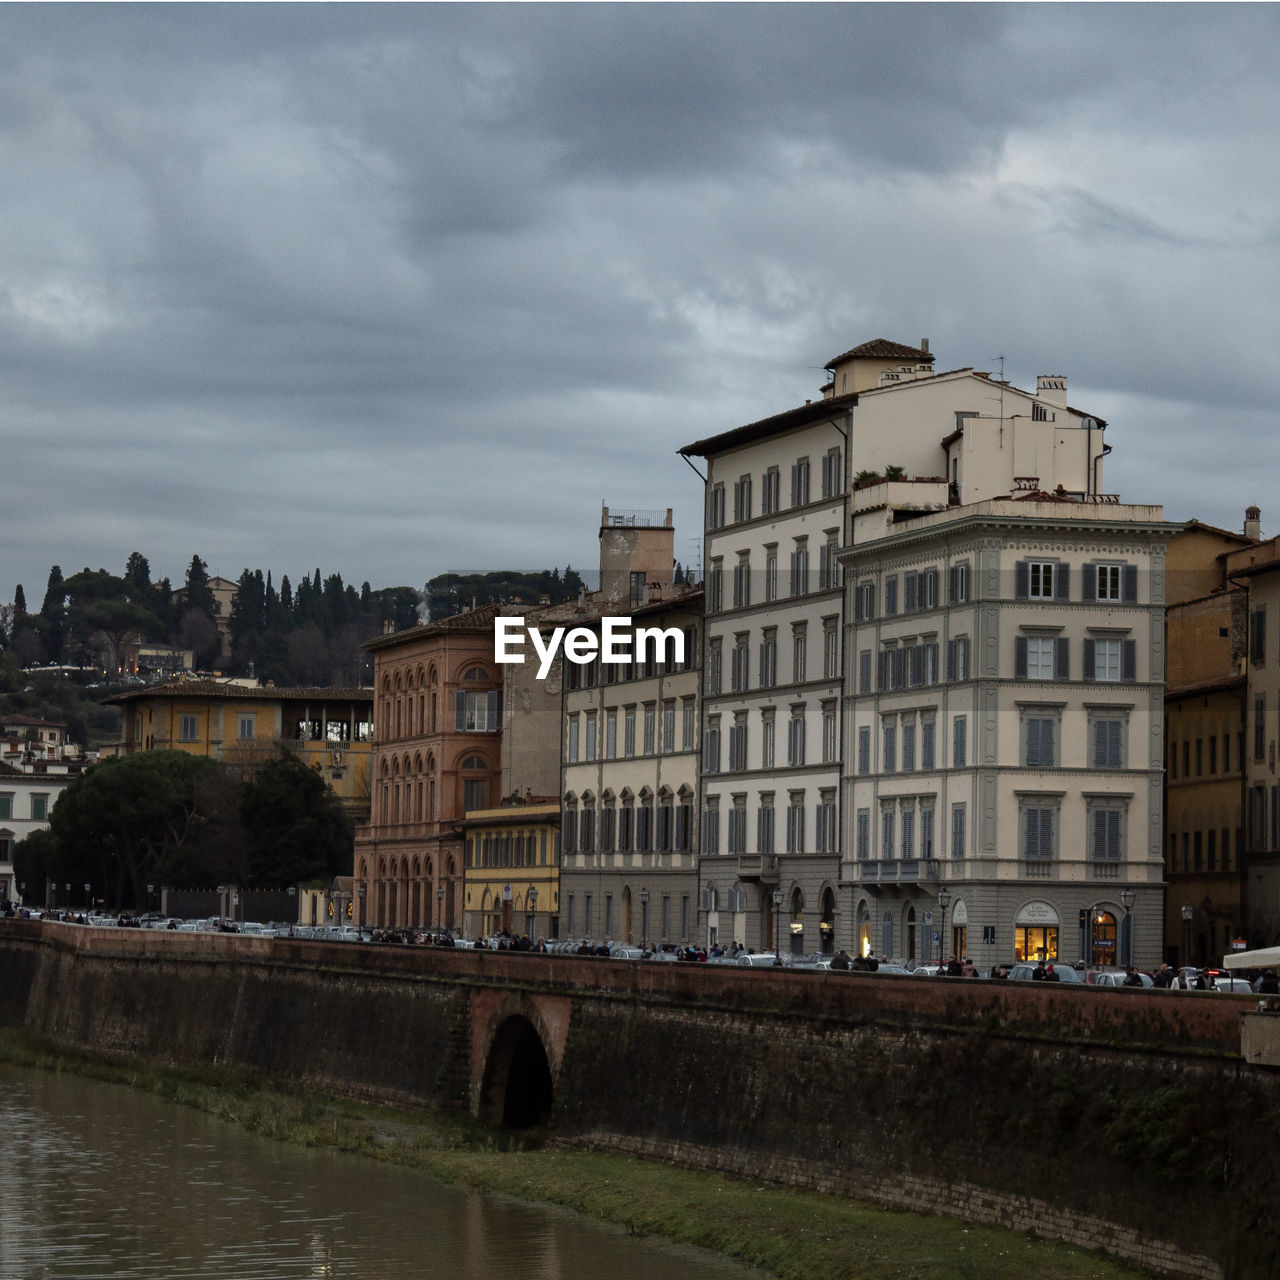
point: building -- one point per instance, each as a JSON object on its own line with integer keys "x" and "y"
{"x": 513, "y": 869}
{"x": 241, "y": 724}
{"x": 630, "y": 776}
{"x": 1003, "y": 716}
{"x": 778, "y": 494}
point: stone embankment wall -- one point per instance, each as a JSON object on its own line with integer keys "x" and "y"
{"x": 1120, "y": 1120}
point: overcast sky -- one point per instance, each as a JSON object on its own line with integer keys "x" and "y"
{"x": 394, "y": 290}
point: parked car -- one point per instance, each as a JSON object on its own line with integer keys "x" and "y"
{"x": 1114, "y": 978}
{"x": 758, "y": 959}
{"x": 1024, "y": 971}
{"x": 1232, "y": 986}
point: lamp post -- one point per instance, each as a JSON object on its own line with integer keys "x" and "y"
{"x": 644, "y": 917}
{"x": 150, "y": 891}
{"x": 777, "y": 925}
{"x": 944, "y": 901}
{"x": 361, "y": 890}
{"x": 1127, "y": 899}
{"x": 1187, "y": 912}
{"x": 440, "y": 907}
{"x": 533, "y": 912}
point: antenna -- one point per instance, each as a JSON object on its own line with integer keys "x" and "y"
{"x": 1001, "y": 359}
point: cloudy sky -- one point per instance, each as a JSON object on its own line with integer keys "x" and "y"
{"x": 394, "y": 290}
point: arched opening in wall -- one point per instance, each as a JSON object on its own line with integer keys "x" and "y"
{"x": 827, "y": 922}
{"x": 796, "y": 923}
{"x": 516, "y": 1090}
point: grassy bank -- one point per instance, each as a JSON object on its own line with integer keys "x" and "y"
{"x": 792, "y": 1235}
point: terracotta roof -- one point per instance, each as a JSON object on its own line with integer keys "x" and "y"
{"x": 472, "y": 620}
{"x": 883, "y": 349}
{"x": 1193, "y": 523}
{"x": 195, "y": 689}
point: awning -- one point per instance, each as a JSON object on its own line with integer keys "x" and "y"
{"x": 1263, "y": 958}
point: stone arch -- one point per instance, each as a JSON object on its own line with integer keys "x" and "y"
{"x": 795, "y": 921}
{"x": 519, "y": 1061}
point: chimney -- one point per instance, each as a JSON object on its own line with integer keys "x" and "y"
{"x": 1253, "y": 523}
{"x": 1052, "y": 389}
{"x": 924, "y": 345}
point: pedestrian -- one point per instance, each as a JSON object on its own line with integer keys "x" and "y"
{"x": 1051, "y": 974}
{"x": 1268, "y": 983}
{"x": 1164, "y": 979}
{"x": 1131, "y": 978}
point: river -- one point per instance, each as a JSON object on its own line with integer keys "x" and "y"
{"x": 103, "y": 1182}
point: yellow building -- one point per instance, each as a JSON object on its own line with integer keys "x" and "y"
{"x": 329, "y": 729}
{"x": 512, "y": 871}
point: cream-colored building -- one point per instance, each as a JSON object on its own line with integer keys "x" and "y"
{"x": 778, "y": 512}
{"x": 1003, "y": 726}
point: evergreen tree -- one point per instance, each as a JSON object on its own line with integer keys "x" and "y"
{"x": 198, "y": 594}
{"x": 53, "y": 615}
{"x": 20, "y": 604}
{"x": 137, "y": 572}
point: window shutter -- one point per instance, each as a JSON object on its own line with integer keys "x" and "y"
{"x": 951, "y": 661}
{"x": 1020, "y": 657}
{"x": 1128, "y": 660}
{"x": 953, "y": 584}
{"x": 1062, "y": 658}
{"x": 1089, "y": 673}
{"x": 1033, "y": 833}
{"x": 1033, "y": 742}
{"x": 909, "y": 593}
{"x": 1129, "y": 584}
{"x": 1062, "y": 582}
{"x": 494, "y": 699}
{"x": 1089, "y": 585}
{"x": 459, "y": 711}
{"x": 1021, "y": 580}
{"x": 1047, "y": 757}
{"x": 1046, "y": 833}
{"x": 882, "y": 663}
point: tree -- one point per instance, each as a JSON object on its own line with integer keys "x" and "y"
{"x": 130, "y": 815}
{"x": 108, "y": 607}
{"x": 295, "y": 827}
{"x": 137, "y": 572}
{"x": 53, "y": 615}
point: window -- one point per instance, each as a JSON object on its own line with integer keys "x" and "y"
{"x": 888, "y": 848}
{"x": 928, "y": 738}
{"x": 864, "y": 602}
{"x": 800, "y": 568}
{"x": 907, "y": 842}
{"x": 738, "y": 743}
{"x": 711, "y": 746}
{"x": 770, "y": 491}
{"x": 738, "y": 825}
{"x": 1110, "y": 659}
{"x": 829, "y": 754}
{"x": 958, "y": 846}
{"x": 795, "y": 822}
{"x": 764, "y": 823}
{"x": 891, "y": 596}
{"x": 742, "y": 499}
{"x": 629, "y": 732}
{"x": 573, "y": 739}
{"x": 1037, "y": 831}
{"x": 862, "y": 837}
{"x": 475, "y": 793}
{"x": 771, "y": 573}
{"x": 864, "y": 749}
{"x": 187, "y": 729}
{"x": 1106, "y": 742}
{"x": 795, "y": 737}
{"x": 832, "y": 474}
{"x": 711, "y": 825}
{"x": 611, "y": 733}
{"x": 1111, "y": 582}
{"x": 824, "y": 836}
{"x": 39, "y": 808}
{"x": 828, "y": 564}
{"x": 800, "y": 483}
{"x": 958, "y": 658}
{"x": 908, "y": 744}
{"x": 1258, "y": 637}
{"x": 959, "y": 742}
{"x": 715, "y": 666}
{"x": 798, "y": 652}
{"x": 669, "y": 725}
{"x": 926, "y": 829}
{"x": 244, "y": 725}
{"x": 889, "y": 744}
{"x": 1106, "y": 831}
{"x": 715, "y": 587}
{"x": 769, "y": 658}
{"x": 958, "y": 583}
{"x": 739, "y": 662}
{"x": 715, "y": 507}
{"x": 1041, "y": 657}
{"x": 627, "y": 824}
{"x": 742, "y": 581}
{"x": 476, "y": 712}
{"x": 1039, "y": 740}
{"x": 767, "y": 735}
{"x": 830, "y": 649}
{"x": 864, "y": 671}
{"x": 591, "y": 735}
{"x": 688, "y": 732}
{"x": 1041, "y": 580}
{"x": 1259, "y": 729}
{"x": 650, "y": 713}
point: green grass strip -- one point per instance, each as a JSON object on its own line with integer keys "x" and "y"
{"x": 794, "y": 1235}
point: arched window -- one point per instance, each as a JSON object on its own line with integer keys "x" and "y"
{"x": 475, "y": 790}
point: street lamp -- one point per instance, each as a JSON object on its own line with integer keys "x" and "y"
{"x": 777, "y": 925}
{"x": 944, "y": 901}
{"x": 440, "y": 907}
{"x": 361, "y": 890}
{"x": 1187, "y": 912}
{"x": 1127, "y": 899}
{"x": 533, "y": 913}
{"x": 644, "y": 917}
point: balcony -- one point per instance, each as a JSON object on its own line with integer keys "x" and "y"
{"x": 758, "y": 866}
{"x": 1037, "y": 869}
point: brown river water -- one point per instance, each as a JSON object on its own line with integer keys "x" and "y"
{"x": 102, "y": 1182}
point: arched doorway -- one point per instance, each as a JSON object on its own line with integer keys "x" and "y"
{"x": 909, "y": 932}
{"x": 516, "y": 1089}
{"x": 864, "y": 929}
{"x": 796, "y": 923}
{"x": 1035, "y": 932}
{"x": 1102, "y": 937}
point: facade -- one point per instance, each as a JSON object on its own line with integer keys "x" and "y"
{"x": 27, "y": 798}
{"x": 629, "y": 784}
{"x": 329, "y": 729}
{"x": 513, "y": 869}
{"x": 778, "y": 495}
{"x": 1004, "y": 716}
